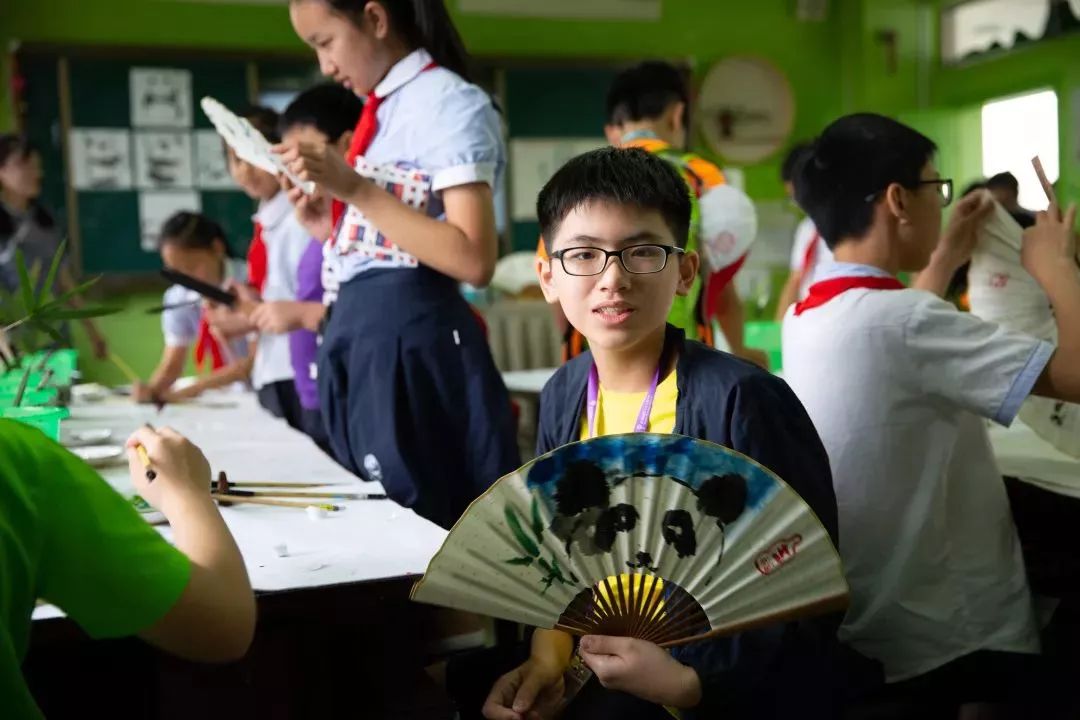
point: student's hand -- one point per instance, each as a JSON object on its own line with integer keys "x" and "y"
{"x": 312, "y": 211}
{"x": 182, "y": 472}
{"x": 247, "y": 297}
{"x": 142, "y": 393}
{"x": 322, "y": 164}
{"x": 531, "y": 691}
{"x": 277, "y": 317}
{"x": 1049, "y": 246}
{"x": 227, "y": 321}
{"x": 642, "y": 669}
{"x": 962, "y": 231}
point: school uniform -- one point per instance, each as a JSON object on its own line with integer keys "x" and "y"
{"x": 183, "y": 325}
{"x": 900, "y": 385}
{"x": 285, "y": 242}
{"x": 809, "y": 255}
{"x": 409, "y": 391}
{"x": 786, "y": 670}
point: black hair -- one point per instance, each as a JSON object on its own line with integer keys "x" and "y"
{"x": 791, "y": 161}
{"x": 850, "y": 165}
{"x": 19, "y": 147}
{"x": 192, "y": 231}
{"x": 421, "y": 24}
{"x": 624, "y": 176}
{"x": 972, "y": 187}
{"x": 1003, "y": 181}
{"x": 330, "y": 108}
{"x": 265, "y": 120}
{"x": 645, "y": 91}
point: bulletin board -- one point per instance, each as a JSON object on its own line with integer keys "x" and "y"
{"x": 124, "y": 144}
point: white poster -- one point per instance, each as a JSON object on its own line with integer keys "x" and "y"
{"x": 163, "y": 160}
{"x": 160, "y": 98}
{"x": 532, "y": 163}
{"x": 100, "y": 158}
{"x": 211, "y": 167}
{"x": 155, "y": 207}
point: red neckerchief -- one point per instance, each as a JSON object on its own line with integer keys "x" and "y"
{"x": 824, "y": 291}
{"x": 366, "y": 127}
{"x": 207, "y": 343}
{"x": 256, "y": 259}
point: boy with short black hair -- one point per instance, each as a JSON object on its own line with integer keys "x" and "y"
{"x": 615, "y": 223}
{"x": 899, "y": 384}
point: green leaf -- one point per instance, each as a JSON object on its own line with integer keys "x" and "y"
{"x": 77, "y": 290}
{"x": 522, "y": 537}
{"x": 520, "y": 561}
{"x": 537, "y": 525}
{"x": 26, "y": 287}
{"x": 40, "y": 324}
{"x": 54, "y": 268}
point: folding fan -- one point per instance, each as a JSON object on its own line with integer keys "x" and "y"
{"x": 248, "y": 143}
{"x": 660, "y": 537}
{"x": 1001, "y": 291}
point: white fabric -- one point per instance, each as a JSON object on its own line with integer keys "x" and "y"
{"x": 1000, "y": 290}
{"x": 806, "y": 233}
{"x": 286, "y": 241}
{"x": 897, "y": 383}
{"x": 728, "y": 228}
{"x": 369, "y": 540}
{"x": 180, "y": 325}
{"x": 435, "y": 131}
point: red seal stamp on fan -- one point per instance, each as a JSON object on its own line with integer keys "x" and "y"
{"x": 781, "y": 552}
{"x": 999, "y": 280}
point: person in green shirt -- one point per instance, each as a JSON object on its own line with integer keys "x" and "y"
{"x": 68, "y": 538}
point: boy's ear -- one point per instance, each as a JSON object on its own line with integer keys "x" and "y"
{"x": 613, "y": 133}
{"x": 896, "y": 200}
{"x": 543, "y": 274}
{"x": 677, "y": 116}
{"x": 689, "y": 264}
{"x": 344, "y": 141}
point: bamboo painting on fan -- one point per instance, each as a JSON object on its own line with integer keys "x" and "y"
{"x": 661, "y": 537}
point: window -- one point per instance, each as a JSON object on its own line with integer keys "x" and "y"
{"x": 1014, "y": 130}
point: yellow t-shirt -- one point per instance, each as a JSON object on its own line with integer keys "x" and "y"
{"x": 617, "y": 413}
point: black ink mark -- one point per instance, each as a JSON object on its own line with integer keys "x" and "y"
{"x": 677, "y": 530}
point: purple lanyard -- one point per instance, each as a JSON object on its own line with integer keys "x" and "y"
{"x": 642, "y": 423}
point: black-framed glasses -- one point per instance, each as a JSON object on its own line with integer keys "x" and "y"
{"x": 945, "y": 190}
{"x": 635, "y": 259}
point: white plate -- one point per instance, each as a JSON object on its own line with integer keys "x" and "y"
{"x": 81, "y": 438}
{"x": 100, "y": 455}
{"x": 89, "y": 392}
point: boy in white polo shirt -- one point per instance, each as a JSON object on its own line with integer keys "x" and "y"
{"x": 899, "y": 385}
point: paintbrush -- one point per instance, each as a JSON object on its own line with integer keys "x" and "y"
{"x": 124, "y": 367}
{"x": 230, "y": 499}
{"x": 291, "y": 494}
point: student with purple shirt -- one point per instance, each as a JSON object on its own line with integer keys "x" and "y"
{"x": 324, "y": 113}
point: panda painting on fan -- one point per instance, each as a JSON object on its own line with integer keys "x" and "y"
{"x": 615, "y": 223}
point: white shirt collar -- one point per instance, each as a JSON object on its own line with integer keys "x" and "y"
{"x": 846, "y": 269}
{"x": 403, "y": 71}
{"x": 271, "y": 212}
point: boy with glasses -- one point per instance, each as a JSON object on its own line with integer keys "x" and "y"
{"x": 615, "y": 223}
{"x": 900, "y": 385}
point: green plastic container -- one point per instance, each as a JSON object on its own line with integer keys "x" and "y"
{"x": 765, "y": 335}
{"x": 31, "y": 398}
{"x": 47, "y": 420}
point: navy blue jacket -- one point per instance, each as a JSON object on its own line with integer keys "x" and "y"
{"x": 779, "y": 671}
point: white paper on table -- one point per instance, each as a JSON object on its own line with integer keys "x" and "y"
{"x": 100, "y": 158}
{"x": 156, "y": 206}
{"x": 160, "y": 98}
{"x": 163, "y": 160}
{"x": 211, "y": 166}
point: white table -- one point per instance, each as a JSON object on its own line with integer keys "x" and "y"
{"x": 368, "y": 540}
{"x": 527, "y": 382}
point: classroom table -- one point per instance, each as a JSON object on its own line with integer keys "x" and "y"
{"x": 332, "y": 591}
